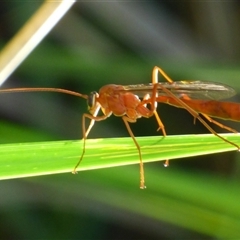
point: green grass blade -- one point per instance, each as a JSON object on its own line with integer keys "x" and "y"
{"x": 41, "y": 158}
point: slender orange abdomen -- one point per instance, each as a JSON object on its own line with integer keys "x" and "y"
{"x": 217, "y": 109}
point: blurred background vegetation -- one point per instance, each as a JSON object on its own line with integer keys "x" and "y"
{"x": 120, "y": 42}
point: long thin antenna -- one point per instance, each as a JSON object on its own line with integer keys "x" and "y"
{"x": 59, "y": 90}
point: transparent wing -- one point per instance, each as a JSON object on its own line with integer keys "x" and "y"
{"x": 194, "y": 89}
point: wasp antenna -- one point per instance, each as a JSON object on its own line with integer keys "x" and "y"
{"x": 60, "y": 90}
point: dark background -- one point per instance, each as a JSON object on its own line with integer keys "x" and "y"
{"x": 94, "y": 44}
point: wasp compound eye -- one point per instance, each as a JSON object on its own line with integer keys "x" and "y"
{"x": 91, "y": 101}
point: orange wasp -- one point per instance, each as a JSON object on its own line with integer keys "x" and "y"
{"x": 197, "y": 97}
